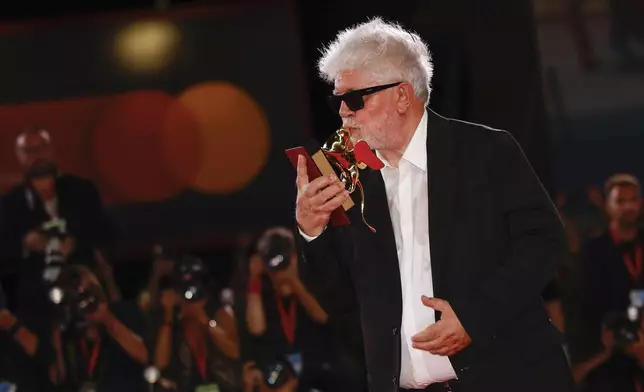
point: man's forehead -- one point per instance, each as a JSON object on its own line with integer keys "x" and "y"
{"x": 349, "y": 80}
{"x": 32, "y": 139}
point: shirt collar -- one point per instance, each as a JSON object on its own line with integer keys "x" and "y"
{"x": 416, "y": 151}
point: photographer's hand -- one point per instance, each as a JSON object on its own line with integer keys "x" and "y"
{"x": 252, "y": 376}
{"x": 67, "y": 246}
{"x": 128, "y": 340}
{"x": 290, "y": 276}
{"x": 35, "y": 241}
{"x": 220, "y": 332}
{"x": 581, "y": 370}
{"x": 22, "y": 335}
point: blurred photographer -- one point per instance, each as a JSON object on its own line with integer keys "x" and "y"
{"x": 282, "y": 317}
{"x": 102, "y": 346}
{"x": 49, "y": 219}
{"x": 196, "y": 342}
{"x": 611, "y": 268}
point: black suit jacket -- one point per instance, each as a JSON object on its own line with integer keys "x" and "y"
{"x": 495, "y": 238}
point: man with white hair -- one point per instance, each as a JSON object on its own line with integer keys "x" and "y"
{"x": 448, "y": 287}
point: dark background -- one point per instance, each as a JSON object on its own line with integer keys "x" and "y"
{"x": 486, "y": 70}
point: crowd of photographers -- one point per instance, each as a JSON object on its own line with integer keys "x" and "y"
{"x": 64, "y": 326}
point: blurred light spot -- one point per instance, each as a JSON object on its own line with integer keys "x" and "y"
{"x": 147, "y": 46}
{"x": 127, "y": 147}
{"x": 234, "y": 135}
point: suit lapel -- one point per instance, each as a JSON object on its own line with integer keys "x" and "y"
{"x": 440, "y": 190}
{"x": 382, "y": 244}
{"x": 377, "y": 211}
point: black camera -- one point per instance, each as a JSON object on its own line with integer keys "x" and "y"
{"x": 276, "y": 373}
{"x": 190, "y": 277}
{"x": 77, "y": 298}
{"x": 277, "y": 255}
{"x": 625, "y": 326}
{"x": 56, "y": 230}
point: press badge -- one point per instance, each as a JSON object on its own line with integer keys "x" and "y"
{"x": 208, "y": 388}
{"x": 296, "y": 361}
{"x": 6, "y": 386}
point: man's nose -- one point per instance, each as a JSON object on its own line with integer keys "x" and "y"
{"x": 344, "y": 110}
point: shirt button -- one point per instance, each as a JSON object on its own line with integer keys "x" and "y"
{"x": 394, "y": 379}
{"x": 394, "y": 331}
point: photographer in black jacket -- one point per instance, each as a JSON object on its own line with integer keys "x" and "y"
{"x": 48, "y": 215}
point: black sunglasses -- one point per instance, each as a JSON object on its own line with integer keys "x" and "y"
{"x": 354, "y": 99}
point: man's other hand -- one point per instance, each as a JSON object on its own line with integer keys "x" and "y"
{"x": 445, "y": 337}
{"x": 316, "y": 200}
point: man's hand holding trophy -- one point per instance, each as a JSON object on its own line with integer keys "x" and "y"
{"x": 338, "y": 156}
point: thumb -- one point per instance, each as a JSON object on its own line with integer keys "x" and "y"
{"x": 434, "y": 303}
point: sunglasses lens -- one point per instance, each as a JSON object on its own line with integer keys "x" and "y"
{"x": 354, "y": 101}
{"x": 334, "y": 103}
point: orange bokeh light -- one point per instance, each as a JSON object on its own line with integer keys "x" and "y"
{"x": 234, "y": 135}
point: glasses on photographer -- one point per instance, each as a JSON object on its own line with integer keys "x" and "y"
{"x": 355, "y": 99}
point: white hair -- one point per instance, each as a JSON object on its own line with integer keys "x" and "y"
{"x": 20, "y": 140}
{"x": 385, "y": 50}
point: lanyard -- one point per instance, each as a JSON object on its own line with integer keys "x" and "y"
{"x": 634, "y": 267}
{"x": 92, "y": 359}
{"x": 197, "y": 350}
{"x": 289, "y": 320}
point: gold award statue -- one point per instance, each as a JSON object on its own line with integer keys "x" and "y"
{"x": 348, "y": 159}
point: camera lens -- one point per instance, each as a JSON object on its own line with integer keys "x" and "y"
{"x": 56, "y": 295}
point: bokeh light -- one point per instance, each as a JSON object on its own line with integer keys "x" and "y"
{"x": 234, "y": 136}
{"x": 147, "y": 46}
{"x": 127, "y": 147}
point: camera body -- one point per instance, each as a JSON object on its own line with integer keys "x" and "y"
{"x": 277, "y": 254}
{"x": 56, "y": 230}
{"x": 190, "y": 278}
{"x": 625, "y": 326}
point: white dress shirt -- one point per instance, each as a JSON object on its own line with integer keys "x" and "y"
{"x": 406, "y": 188}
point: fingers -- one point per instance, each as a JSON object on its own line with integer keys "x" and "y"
{"x": 327, "y": 194}
{"x": 302, "y": 175}
{"x": 443, "y": 345}
{"x": 430, "y": 333}
{"x": 435, "y": 303}
{"x": 319, "y": 184}
{"x": 334, "y": 203}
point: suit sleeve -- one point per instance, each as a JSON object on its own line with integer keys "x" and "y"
{"x": 326, "y": 274}
{"x": 10, "y": 237}
{"x": 593, "y": 299}
{"x": 535, "y": 243}
{"x": 97, "y": 228}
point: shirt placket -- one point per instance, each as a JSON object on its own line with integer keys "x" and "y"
{"x": 406, "y": 230}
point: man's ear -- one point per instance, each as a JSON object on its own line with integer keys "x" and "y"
{"x": 405, "y": 95}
